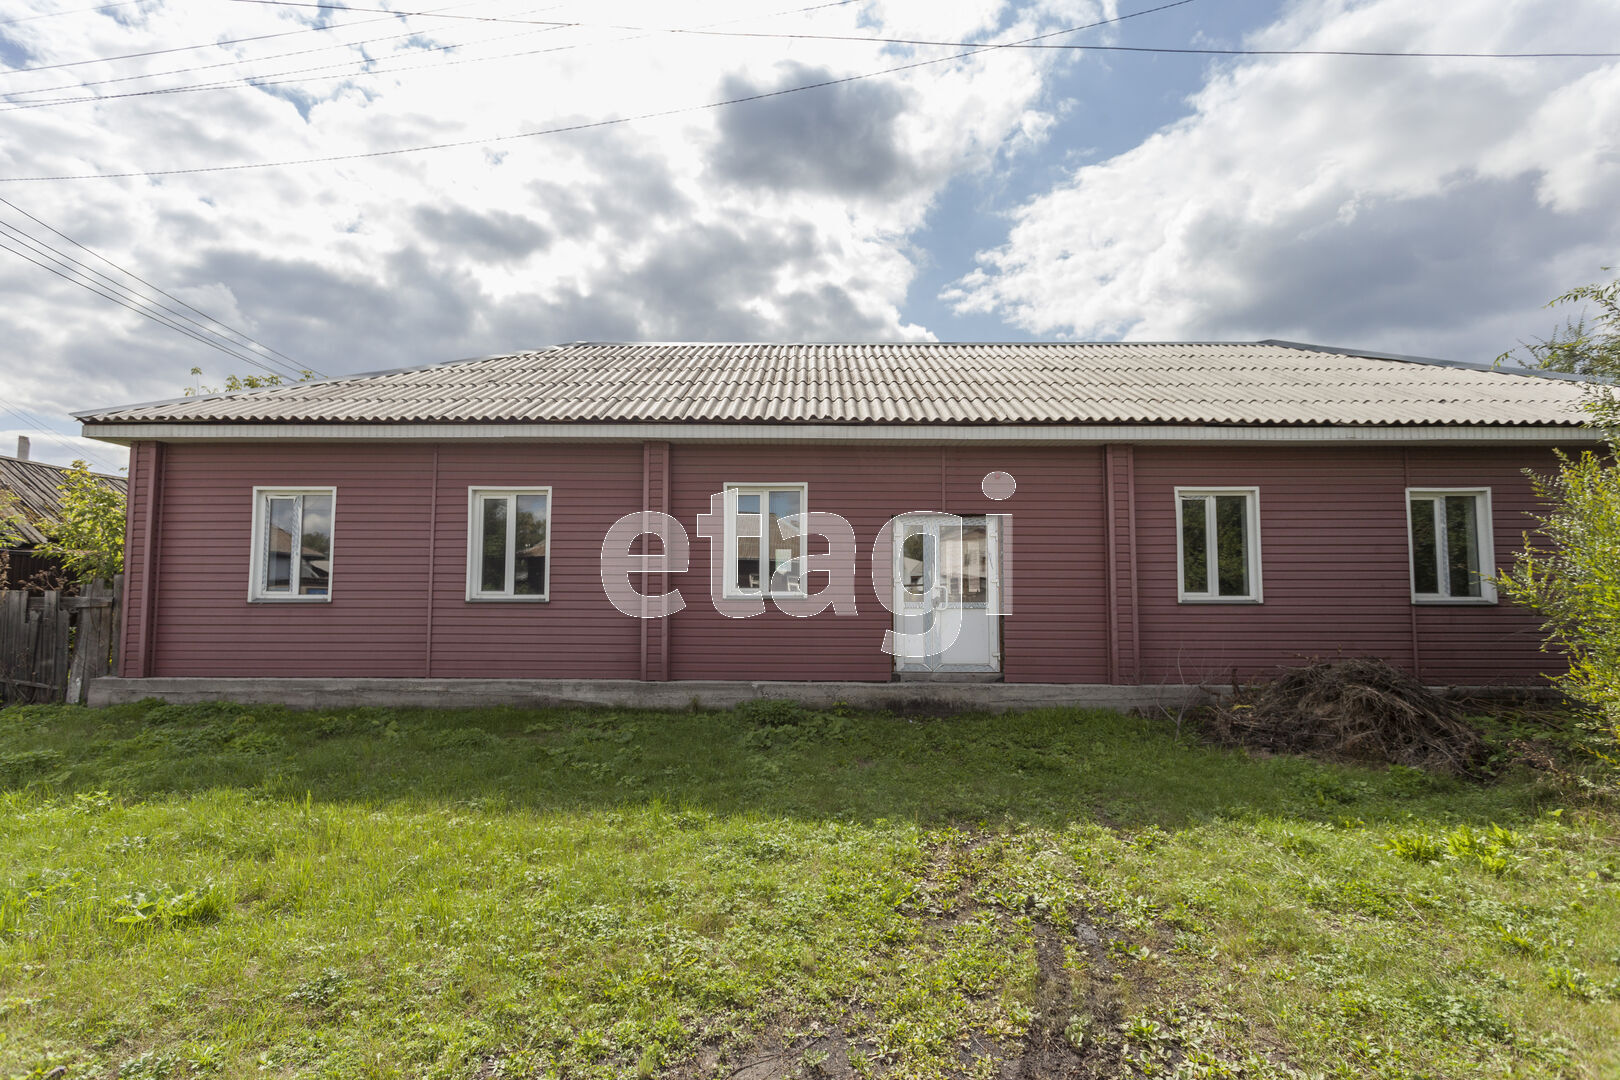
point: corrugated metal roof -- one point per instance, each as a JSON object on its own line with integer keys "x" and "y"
{"x": 35, "y": 487}
{"x": 924, "y": 383}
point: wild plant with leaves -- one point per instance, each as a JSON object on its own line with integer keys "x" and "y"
{"x": 1571, "y": 575}
{"x": 243, "y": 382}
{"x": 88, "y": 536}
{"x": 1571, "y": 572}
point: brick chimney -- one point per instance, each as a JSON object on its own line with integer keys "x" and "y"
{"x": 22, "y": 447}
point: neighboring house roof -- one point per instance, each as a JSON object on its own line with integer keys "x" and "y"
{"x": 1260, "y": 383}
{"x": 35, "y": 487}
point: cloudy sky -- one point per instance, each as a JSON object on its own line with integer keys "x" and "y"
{"x": 356, "y": 189}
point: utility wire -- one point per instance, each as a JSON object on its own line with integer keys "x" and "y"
{"x": 89, "y": 274}
{"x": 301, "y": 75}
{"x": 247, "y": 341}
{"x": 78, "y": 452}
{"x": 202, "y": 45}
{"x": 1026, "y": 44}
{"x": 277, "y": 78}
{"x": 145, "y": 312}
{"x": 70, "y": 11}
{"x": 238, "y": 61}
{"x": 274, "y": 78}
{"x": 594, "y": 124}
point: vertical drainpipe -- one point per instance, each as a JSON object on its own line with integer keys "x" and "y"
{"x": 1406, "y": 482}
{"x": 646, "y": 504}
{"x": 1135, "y": 668}
{"x": 137, "y": 477}
{"x": 433, "y": 534}
{"x": 149, "y": 562}
{"x": 665, "y": 628}
{"x": 1111, "y": 547}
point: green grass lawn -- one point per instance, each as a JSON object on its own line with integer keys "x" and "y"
{"x": 255, "y": 892}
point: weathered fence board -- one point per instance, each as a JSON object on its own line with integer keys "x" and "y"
{"x": 52, "y": 646}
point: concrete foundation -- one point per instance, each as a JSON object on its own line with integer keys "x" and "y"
{"x": 467, "y": 693}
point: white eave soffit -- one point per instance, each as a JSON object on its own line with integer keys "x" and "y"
{"x": 856, "y": 433}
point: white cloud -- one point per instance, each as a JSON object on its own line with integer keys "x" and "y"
{"x": 1417, "y": 205}
{"x": 627, "y": 231}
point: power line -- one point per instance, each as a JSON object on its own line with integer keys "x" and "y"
{"x": 236, "y": 61}
{"x": 286, "y": 361}
{"x": 279, "y": 79}
{"x": 71, "y": 11}
{"x": 273, "y": 79}
{"x": 203, "y": 45}
{"x": 594, "y": 124}
{"x": 276, "y": 78}
{"x": 82, "y": 270}
{"x": 86, "y": 283}
{"x": 1025, "y": 44}
{"x": 56, "y": 437}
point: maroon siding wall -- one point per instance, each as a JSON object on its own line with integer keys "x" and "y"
{"x": 1335, "y": 570}
{"x": 1092, "y": 561}
{"x": 1057, "y": 634}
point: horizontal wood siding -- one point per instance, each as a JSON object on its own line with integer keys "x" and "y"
{"x": 1057, "y": 630}
{"x": 1500, "y": 643}
{"x": 1055, "y": 633}
{"x": 1336, "y": 569}
{"x": 374, "y": 623}
{"x": 1333, "y": 531}
{"x": 576, "y": 634}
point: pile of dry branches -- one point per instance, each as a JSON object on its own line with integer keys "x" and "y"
{"x": 1350, "y": 710}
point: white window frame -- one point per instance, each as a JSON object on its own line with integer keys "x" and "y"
{"x": 1256, "y": 593}
{"x": 733, "y": 489}
{"x": 1486, "y": 541}
{"x": 475, "y": 554}
{"x": 258, "y": 548}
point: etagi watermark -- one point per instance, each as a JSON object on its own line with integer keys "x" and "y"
{"x": 946, "y": 572}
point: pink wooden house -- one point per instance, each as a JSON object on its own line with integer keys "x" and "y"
{"x": 1071, "y": 515}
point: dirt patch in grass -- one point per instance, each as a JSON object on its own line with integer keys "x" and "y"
{"x": 1089, "y": 1018}
{"x": 1360, "y": 710}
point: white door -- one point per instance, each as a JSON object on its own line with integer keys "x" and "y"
{"x": 948, "y": 587}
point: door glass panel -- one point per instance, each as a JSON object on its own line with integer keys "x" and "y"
{"x": 529, "y": 562}
{"x": 748, "y": 542}
{"x": 280, "y": 523}
{"x": 1425, "y": 560}
{"x": 914, "y": 561}
{"x": 1232, "y": 543}
{"x": 783, "y": 549}
{"x": 1194, "y": 546}
{"x": 492, "y": 576}
{"x": 967, "y": 562}
{"x": 1462, "y": 544}
{"x": 315, "y": 547}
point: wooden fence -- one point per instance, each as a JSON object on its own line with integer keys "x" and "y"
{"x": 51, "y": 646}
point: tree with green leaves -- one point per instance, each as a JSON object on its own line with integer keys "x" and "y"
{"x": 1569, "y": 570}
{"x": 88, "y": 536}
{"x": 243, "y": 382}
{"x": 1587, "y": 345}
{"x": 10, "y": 536}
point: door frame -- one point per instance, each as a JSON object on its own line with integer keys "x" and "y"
{"x": 934, "y": 661}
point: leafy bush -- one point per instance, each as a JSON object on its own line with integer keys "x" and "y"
{"x": 1572, "y": 577}
{"x": 164, "y": 907}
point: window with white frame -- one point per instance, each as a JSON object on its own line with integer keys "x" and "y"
{"x": 1218, "y": 545}
{"x": 292, "y": 544}
{"x": 508, "y": 543}
{"x": 1450, "y": 535}
{"x": 760, "y": 559}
